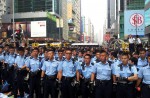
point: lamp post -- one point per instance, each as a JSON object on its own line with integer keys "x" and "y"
{"x": 13, "y": 21}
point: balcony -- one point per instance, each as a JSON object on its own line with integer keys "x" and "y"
{"x": 71, "y": 22}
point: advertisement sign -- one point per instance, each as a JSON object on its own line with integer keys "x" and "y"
{"x": 134, "y": 22}
{"x": 38, "y": 29}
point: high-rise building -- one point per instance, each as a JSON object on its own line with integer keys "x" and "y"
{"x": 127, "y": 5}
{"x": 63, "y": 13}
{"x": 2, "y": 10}
{"x": 112, "y": 13}
{"x": 147, "y": 19}
{"x": 74, "y": 14}
{"x": 27, "y": 12}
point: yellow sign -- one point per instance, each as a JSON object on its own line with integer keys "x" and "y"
{"x": 35, "y": 44}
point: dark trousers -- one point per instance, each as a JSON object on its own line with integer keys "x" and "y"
{"x": 131, "y": 48}
{"x": 103, "y": 89}
{"x": 125, "y": 91}
{"x": 145, "y": 91}
{"x": 34, "y": 85}
{"x": 85, "y": 90}
{"x": 50, "y": 88}
{"x": 68, "y": 90}
{"x": 20, "y": 82}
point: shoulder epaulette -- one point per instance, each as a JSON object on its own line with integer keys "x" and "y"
{"x": 97, "y": 60}
{"x": 92, "y": 64}
{"x": 109, "y": 63}
{"x": 46, "y": 59}
{"x": 83, "y": 67}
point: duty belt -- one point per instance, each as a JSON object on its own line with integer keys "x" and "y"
{"x": 102, "y": 81}
{"x": 35, "y": 73}
{"x": 67, "y": 78}
{"x": 52, "y": 77}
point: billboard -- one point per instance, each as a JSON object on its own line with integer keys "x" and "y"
{"x": 134, "y": 22}
{"x": 38, "y": 28}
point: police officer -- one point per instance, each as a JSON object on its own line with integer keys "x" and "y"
{"x": 102, "y": 71}
{"x": 20, "y": 72}
{"x": 80, "y": 56}
{"x": 33, "y": 65}
{"x": 96, "y": 58}
{"x": 125, "y": 75}
{"x": 144, "y": 77}
{"x": 60, "y": 57}
{"x": 66, "y": 74}
{"x": 85, "y": 71}
{"x": 10, "y": 60}
{"x": 49, "y": 71}
{"x": 142, "y": 61}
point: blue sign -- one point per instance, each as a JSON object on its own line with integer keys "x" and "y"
{"x": 147, "y": 17}
{"x": 134, "y": 22}
{"x": 147, "y": 1}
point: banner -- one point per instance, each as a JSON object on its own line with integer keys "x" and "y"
{"x": 134, "y": 22}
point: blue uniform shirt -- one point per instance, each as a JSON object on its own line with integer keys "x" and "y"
{"x": 115, "y": 64}
{"x": 126, "y": 71}
{"x": 11, "y": 59}
{"x": 20, "y": 61}
{"x": 1, "y": 57}
{"x": 102, "y": 71}
{"x": 33, "y": 64}
{"x": 50, "y": 67}
{"x": 141, "y": 63}
{"x": 80, "y": 60}
{"x": 68, "y": 68}
{"x": 144, "y": 73}
{"x": 87, "y": 71}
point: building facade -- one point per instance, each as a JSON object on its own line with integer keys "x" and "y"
{"x": 37, "y": 10}
{"x": 2, "y": 10}
{"x": 127, "y": 5}
{"x": 73, "y": 16}
{"x": 147, "y": 19}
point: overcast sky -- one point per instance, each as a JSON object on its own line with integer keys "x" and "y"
{"x": 96, "y": 11}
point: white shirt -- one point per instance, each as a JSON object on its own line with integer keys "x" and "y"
{"x": 131, "y": 40}
{"x": 139, "y": 41}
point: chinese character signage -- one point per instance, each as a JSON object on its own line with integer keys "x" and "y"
{"x": 134, "y": 22}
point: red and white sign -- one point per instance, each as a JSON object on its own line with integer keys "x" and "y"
{"x": 137, "y": 20}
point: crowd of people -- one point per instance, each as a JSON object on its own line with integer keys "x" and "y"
{"x": 75, "y": 72}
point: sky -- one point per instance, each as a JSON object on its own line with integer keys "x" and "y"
{"x": 96, "y": 11}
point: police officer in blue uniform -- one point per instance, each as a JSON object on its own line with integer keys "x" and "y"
{"x": 80, "y": 57}
{"x": 85, "y": 71}
{"x": 49, "y": 71}
{"x": 60, "y": 57}
{"x": 33, "y": 65}
{"x": 96, "y": 59}
{"x": 66, "y": 74}
{"x": 10, "y": 60}
{"x": 20, "y": 72}
{"x": 142, "y": 61}
{"x": 144, "y": 77}
{"x": 102, "y": 71}
{"x": 125, "y": 74}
